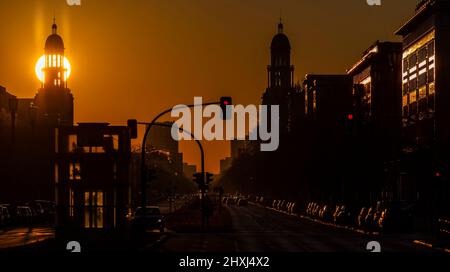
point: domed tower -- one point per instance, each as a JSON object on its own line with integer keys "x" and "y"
{"x": 54, "y": 100}
{"x": 280, "y": 77}
{"x": 280, "y": 71}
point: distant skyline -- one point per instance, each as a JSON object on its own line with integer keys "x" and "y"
{"x": 133, "y": 59}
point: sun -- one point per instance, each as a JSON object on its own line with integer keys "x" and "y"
{"x": 40, "y": 65}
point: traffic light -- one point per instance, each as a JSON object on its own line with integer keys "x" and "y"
{"x": 132, "y": 126}
{"x": 198, "y": 178}
{"x": 209, "y": 178}
{"x": 225, "y": 105}
{"x": 350, "y": 128}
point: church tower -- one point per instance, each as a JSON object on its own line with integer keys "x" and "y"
{"x": 54, "y": 100}
{"x": 280, "y": 77}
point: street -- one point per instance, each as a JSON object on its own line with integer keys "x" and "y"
{"x": 255, "y": 229}
{"x": 261, "y": 230}
{"x": 21, "y": 236}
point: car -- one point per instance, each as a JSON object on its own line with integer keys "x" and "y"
{"x": 242, "y": 202}
{"x": 397, "y": 216}
{"x": 444, "y": 231}
{"x": 361, "y": 217}
{"x": 25, "y": 215}
{"x": 149, "y": 218}
{"x": 325, "y": 213}
{"x": 45, "y": 210}
{"x": 342, "y": 216}
{"x": 5, "y": 217}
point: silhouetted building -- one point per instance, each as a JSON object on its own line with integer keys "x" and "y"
{"x": 225, "y": 164}
{"x": 160, "y": 139}
{"x": 328, "y": 98}
{"x": 377, "y": 97}
{"x": 281, "y": 89}
{"x": 238, "y": 147}
{"x": 425, "y": 163}
{"x": 426, "y": 39}
{"x": 29, "y": 158}
{"x": 325, "y": 149}
{"x": 92, "y": 177}
{"x": 189, "y": 170}
{"x": 54, "y": 100}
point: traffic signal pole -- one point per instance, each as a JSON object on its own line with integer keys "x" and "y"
{"x": 143, "y": 169}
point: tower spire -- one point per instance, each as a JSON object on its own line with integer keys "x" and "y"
{"x": 280, "y": 26}
{"x": 54, "y": 26}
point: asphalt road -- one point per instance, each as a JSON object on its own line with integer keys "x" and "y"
{"x": 261, "y": 230}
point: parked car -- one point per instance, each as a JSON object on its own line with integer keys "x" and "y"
{"x": 362, "y": 217}
{"x": 45, "y": 210}
{"x": 5, "y": 217}
{"x": 444, "y": 231}
{"x": 242, "y": 202}
{"x": 149, "y": 218}
{"x": 397, "y": 216}
{"x": 342, "y": 216}
{"x": 325, "y": 213}
{"x": 225, "y": 200}
{"x": 25, "y": 215}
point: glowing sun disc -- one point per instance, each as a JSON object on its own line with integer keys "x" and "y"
{"x": 40, "y": 65}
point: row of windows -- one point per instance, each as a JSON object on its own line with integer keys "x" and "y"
{"x": 93, "y": 208}
{"x": 421, "y": 101}
{"x": 418, "y": 78}
{"x": 418, "y": 57}
{"x": 54, "y": 61}
{"x": 280, "y": 62}
{"x": 310, "y": 101}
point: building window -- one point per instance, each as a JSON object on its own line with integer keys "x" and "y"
{"x": 71, "y": 202}
{"x": 431, "y": 89}
{"x": 75, "y": 172}
{"x": 56, "y": 140}
{"x": 431, "y": 49}
{"x": 94, "y": 209}
{"x": 422, "y": 77}
{"x": 412, "y": 84}
{"x": 431, "y": 75}
{"x": 314, "y": 101}
{"x": 73, "y": 143}
{"x": 405, "y": 101}
{"x": 422, "y": 92}
{"x": 56, "y": 169}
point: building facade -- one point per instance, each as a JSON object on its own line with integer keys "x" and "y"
{"x": 426, "y": 114}
{"x": 92, "y": 189}
{"x": 377, "y": 90}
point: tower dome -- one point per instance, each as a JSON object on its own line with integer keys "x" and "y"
{"x": 54, "y": 42}
{"x": 280, "y": 41}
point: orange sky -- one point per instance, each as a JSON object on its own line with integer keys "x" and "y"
{"x": 135, "y": 58}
